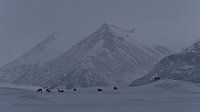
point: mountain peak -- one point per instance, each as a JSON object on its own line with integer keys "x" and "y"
{"x": 106, "y": 27}
{"x": 194, "y": 48}
{"x": 114, "y": 30}
{"x": 197, "y": 45}
{"x": 102, "y": 58}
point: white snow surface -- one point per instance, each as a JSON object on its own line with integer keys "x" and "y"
{"x": 14, "y": 86}
{"x": 161, "y": 96}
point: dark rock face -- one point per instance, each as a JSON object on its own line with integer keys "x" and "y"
{"x": 181, "y": 66}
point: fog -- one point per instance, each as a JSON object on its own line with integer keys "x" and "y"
{"x": 24, "y": 23}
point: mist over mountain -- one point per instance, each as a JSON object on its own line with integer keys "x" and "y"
{"x": 105, "y": 57}
{"x": 174, "y": 24}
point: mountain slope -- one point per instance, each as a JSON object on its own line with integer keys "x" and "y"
{"x": 48, "y": 49}
{"x": 181, "y": 66}
{"x": 103, "y": 58}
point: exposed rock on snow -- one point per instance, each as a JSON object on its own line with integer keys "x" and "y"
{"x": 180, "y": 66}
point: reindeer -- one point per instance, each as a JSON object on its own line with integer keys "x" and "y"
{"x": 39, "y": 90}
{"x": 48, "y": 91}
{"x": 156, "y": 79}
{"x": 100, "y": 90}
{"x": 74, "y": 89}
{"x": 115, "y": 88}
{"x": 60, "y": 91}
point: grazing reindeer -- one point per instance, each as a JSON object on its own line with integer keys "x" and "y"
{"x": 74, "y": 89}
{"x": 100, "y": 90}
{"x": 60, "y": 91}
{"x": 156, "y": 79}
{"x": 48, "y": 91}
{"x": 39, "y": 90}
{"x": 115, "y": 88}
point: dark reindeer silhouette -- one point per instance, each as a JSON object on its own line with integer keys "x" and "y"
{"x": 100, "y": 90}
{"x": 156, "y": 79}
{"x": 74, "y": 89}
{"x": 39, "y": 90}
{"x": 48, "y": 91}
{"x": 115, "y": 88}
{"x": 60, "y": 91}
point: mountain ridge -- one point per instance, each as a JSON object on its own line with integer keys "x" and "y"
{"x": 180, "y": 66}
{"x": 103, "y": 58}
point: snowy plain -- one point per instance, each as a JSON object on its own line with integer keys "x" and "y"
{"x": 161, "y": 96}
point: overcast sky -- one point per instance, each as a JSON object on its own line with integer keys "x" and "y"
{"x": 24, "y": 23}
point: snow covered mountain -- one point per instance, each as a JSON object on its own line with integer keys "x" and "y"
{"x": 105, "y": 57}
{"x": 183, "y": 66}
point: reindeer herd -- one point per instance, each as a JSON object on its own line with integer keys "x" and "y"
{"x": 74, "y": 89}
{"x": 98, "y": 89}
